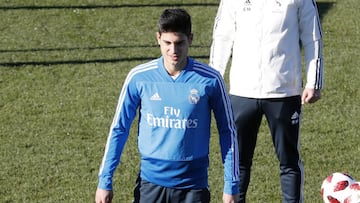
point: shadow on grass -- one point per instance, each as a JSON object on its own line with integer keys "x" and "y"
{"x": 86, "y": 48}
{"x": 323, "y": 8}
{"x": 104, "y": 6}
{"x": 116, "y": 60}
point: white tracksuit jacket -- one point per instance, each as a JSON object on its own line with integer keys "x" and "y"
{"x": 264, "y": 38}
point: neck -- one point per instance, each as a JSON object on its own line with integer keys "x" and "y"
{"x": 176, "y": 69}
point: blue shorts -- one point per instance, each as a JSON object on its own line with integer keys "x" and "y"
{"x": 146, "y": 192}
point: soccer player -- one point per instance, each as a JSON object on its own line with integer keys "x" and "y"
{"x": 175, "y": 96}
{"x": 266, "y": 77}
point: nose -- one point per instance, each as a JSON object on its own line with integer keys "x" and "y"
{"x": 173, "y": 48}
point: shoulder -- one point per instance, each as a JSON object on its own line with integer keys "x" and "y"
{"x": 211, "y": 77}
{"x": 205, "y": 69}
{"x": 143, "y": 68}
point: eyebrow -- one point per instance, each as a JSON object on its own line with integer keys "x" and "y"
{"x": 175, "y": 42}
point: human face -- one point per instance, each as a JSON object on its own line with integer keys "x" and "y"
{"x": 174, "y": 48}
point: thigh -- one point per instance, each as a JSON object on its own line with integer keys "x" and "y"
{"x": 284, "y": 116}
{"x": 247, "y": 112}
{"x": 190, "y": 196}
{"x": 247, "y": 115}
{"x": 151, "y": 193}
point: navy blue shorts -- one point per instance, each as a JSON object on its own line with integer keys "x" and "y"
{"x": 146, "y": 192}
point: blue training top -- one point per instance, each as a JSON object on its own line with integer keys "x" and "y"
{"x": 174, "y": 126}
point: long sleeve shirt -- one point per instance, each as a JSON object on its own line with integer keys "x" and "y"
{"x": 264, "y": 39}
{"x": 174, "y": 126}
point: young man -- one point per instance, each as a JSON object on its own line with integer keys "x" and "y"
{"x": 175, "y": 95}
{"x": 266, "y": 77}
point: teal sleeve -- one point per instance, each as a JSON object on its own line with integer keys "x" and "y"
{"x": 118, "y": 134}
{"x": 227, "y": 137}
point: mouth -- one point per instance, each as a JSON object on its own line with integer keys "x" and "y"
{"x": 174, "y": 58}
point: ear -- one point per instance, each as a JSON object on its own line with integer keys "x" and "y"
{"x": 191, "y": 37}
{"x": 158, "y": 36}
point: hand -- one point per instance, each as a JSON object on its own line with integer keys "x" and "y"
{"x": 310, "y": 96}
{"x": 229, "y": 198}
{"x": 103, "y": 196}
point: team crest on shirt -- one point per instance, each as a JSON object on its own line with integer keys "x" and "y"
{"x": 194, "y": 96}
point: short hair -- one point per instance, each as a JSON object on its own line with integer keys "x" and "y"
{"x": 175, "y": 20}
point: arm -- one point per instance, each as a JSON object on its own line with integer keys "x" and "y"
{"x": 229, "y": 198}
{"x": 311, "y": 38}
{"x": 103, "y": 196}
{"x": 310, "y": 95}
{"x": 119, "y": 131}
{"x": 227, "y": 137}
{"x": 223, "y": 36}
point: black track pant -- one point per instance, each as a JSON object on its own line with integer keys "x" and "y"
{"x": 283, "y": 116}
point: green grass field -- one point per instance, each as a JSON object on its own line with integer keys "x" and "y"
{"x": 62, "y": 65}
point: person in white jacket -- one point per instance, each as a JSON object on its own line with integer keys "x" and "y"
{"x": 264, "y": 39}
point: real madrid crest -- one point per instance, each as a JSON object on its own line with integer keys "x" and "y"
{"x": 194, "y": 96}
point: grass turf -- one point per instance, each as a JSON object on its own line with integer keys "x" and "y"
{"x": 62, "y": 65}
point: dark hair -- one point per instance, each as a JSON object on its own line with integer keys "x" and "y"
{"x": 175, "y": 20}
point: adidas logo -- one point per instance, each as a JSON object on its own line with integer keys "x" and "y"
{"x": 155, "y": 97}
{"x": 295, "y": 118}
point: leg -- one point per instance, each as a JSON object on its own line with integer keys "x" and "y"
{"x": 284, "y": 116}
{"x": 247, "y": 118}
{"x": 189, "y": 195}
{"x": 151, "y": 193}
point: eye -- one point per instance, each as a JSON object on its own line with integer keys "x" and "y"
{"x": 167, "y": 42}
{"x": 180, "y": 43}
